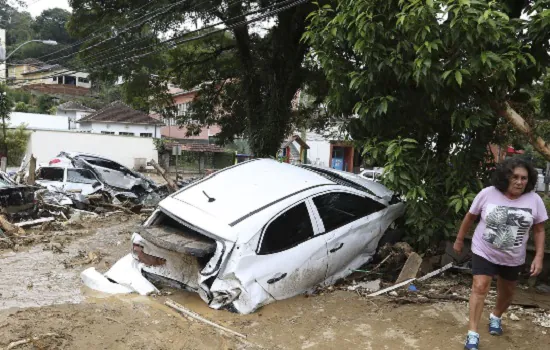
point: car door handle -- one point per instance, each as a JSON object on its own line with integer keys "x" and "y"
{"x": 334, "y": 250}
{"x": 276, "y": 279}
{"x": 106, "y": 171}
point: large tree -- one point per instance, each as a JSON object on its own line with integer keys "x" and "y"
{"x": 431, "y": 83}
{"x": 247, "y": 74}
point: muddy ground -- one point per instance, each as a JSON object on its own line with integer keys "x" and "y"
{"x": 43, "y": 305}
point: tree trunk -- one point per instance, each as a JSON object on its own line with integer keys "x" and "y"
{"x": 521, "y": 125}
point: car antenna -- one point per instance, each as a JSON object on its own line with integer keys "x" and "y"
{"x": 210, "y": 199}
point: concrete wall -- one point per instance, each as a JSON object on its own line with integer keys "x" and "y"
{"x": 39, "y": 121}
{"x": 319, "y": 153}
{"x": 137, "y": 129}
{"x": 46, "y": 145}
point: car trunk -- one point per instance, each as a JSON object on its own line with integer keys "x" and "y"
{"x": 171, "y": 249}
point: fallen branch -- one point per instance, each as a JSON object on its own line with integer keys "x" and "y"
{"x": 118, "y": 207}
{"x": 382, "y": 263}
{"x": 170, "y": 183}
{"x": 196, "y": 316}
{"x": 8, "y": 227}
{"x": 15, "y": 344}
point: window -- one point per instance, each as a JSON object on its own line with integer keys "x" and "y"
{"x": 108, "y": 132}
{"x": 146, "y": 134}
{"x": 104, "y": 163}
{"x": 54, "y": 78}
{"x": 121, "y": 133}
{"x": 81, "y": 176}
{"x": 51, "y": 174}
{"x": 182, "y": 108}
{"x": 287, "y": 231}
{"x": 339, "y": 209}
{"x": 83, "y": 80}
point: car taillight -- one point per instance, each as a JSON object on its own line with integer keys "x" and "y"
{"x": 55, "y": 161}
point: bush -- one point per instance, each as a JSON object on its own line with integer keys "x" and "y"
{"x": 17, "y": 140}
{"x": 21, "y": 107}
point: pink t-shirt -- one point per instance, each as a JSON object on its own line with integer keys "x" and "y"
{"x": 502, "y": 233}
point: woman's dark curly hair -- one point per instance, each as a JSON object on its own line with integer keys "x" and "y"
{"x": 501, "y": 176}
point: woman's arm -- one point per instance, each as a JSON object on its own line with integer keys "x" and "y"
{"x": 467, "y": 223}
{"x": 536, "y": 266}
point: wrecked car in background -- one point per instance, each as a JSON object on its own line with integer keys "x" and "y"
{"x": 261, "y": 231}
{"x": 120, "y": 181}
{"x": 15, "y": 200}
{"x": 68, "y": 179}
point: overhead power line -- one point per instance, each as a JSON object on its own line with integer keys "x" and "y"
{"x": 175, "y": 40}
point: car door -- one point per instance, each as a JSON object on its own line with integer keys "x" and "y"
{"x": 291, "y": 256}
{"x": 51, "y": 177}
{"x": 349, "y": 223}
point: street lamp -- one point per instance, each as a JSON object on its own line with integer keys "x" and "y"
{"x": 45, "y": 42}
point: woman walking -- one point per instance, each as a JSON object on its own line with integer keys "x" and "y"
{"x": 508, "y": 210}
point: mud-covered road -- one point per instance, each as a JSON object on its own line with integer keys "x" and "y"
{"x": 43, "y": 305}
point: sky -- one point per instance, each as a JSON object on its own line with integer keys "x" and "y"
{"x": 35, "y": 7}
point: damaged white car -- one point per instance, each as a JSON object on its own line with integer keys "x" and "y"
{"x": 263, "y": 231}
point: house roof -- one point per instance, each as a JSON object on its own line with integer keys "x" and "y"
{"x": 196, "y": 147}
{"x": 119, "y": 112}
{"x": 46, "y": 68}
{"x": 296, "y": 138}
{"x": 74, "y": 106}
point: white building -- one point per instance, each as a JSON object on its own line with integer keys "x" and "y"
{"x": 34, "y": 121}
{"x": 120, "y": 119}
{"x": 74, "y": 111}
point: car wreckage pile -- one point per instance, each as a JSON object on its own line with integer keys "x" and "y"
{"x": 72, "y": 183}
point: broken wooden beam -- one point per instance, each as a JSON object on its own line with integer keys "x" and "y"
{"x": 8, "y": 227}
{"x": 436, "y": 272}
{"x": 32, "y": 171}
{"x": 170, "y": 183}
{"x": 34, "y": 222}
{"x": 410, "y": 270}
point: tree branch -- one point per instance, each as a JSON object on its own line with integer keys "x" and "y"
{"x": 517, "y": 121}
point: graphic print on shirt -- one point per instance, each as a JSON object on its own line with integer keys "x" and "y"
{"x": 507, "y": 227}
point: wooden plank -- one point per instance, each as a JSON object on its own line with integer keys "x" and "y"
{"x": 389, "y": 289}
{"x": 410, "y": 270}
{"x": 32, "y": 171}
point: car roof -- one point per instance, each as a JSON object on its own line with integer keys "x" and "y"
{"x": 247, "y": 187}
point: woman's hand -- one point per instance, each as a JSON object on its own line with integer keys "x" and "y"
{"x": 536, "y": 266}
{"x": 458, "y": 246}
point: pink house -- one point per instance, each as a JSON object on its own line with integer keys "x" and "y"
{"x": 172, "y": 131}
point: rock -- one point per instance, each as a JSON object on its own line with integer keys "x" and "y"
{"x": 372, "y": 286}
{"x": 513, "y": 317}
{"x": 393, "y": 293}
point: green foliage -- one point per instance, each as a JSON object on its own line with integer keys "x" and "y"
{"x": 18, "y": 95}
{"x": 45, "y": 104}
{"x": 17, "y": 140}
{"x": 246, "y": 81}
{"x": 21, "y": 27}
{"x": 427, "y": 80}
{"x": 21, "y": 107}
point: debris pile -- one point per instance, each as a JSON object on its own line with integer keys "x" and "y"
{"x": 399, "y": 274}
{"x": 71, "y": 189}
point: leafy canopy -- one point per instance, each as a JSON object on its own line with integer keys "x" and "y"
{"x": 427, "y": 82}
{"x": 247, "y": 76}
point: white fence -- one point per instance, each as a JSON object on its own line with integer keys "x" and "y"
{"x": 46, "y": 145}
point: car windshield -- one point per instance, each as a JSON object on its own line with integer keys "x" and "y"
{"x": 81, "y": 176}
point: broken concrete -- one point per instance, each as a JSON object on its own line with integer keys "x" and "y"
{"x": 410, "y": 270}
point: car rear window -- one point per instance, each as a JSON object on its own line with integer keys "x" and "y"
{"x": 51, "y": 174}
{"x": 81, "y": 176}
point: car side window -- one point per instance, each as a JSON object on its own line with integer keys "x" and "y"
{"x": 82, "y": 176}
{"x": 338, "y": 209}
{"x": 287, "y": 231}
{"x": 51, "y": 174}
{"x": 103, "y": 163}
